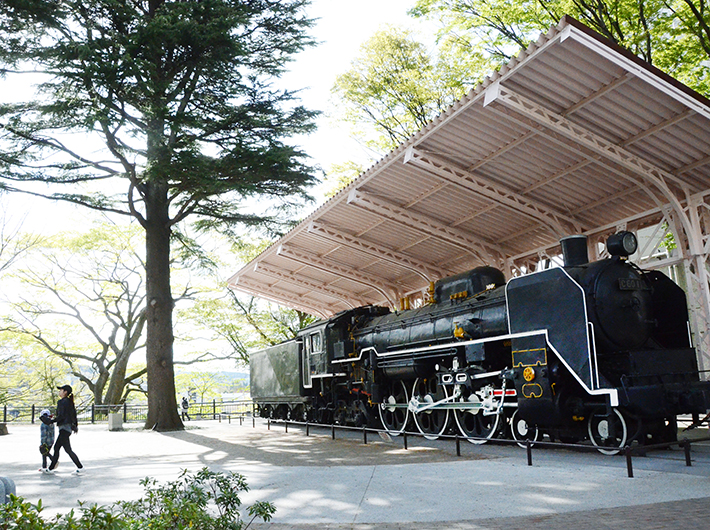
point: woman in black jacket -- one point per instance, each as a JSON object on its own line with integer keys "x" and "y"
{"x": 66, "y": 421}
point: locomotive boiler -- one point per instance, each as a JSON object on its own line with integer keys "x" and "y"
{"x": 588, "y": 351}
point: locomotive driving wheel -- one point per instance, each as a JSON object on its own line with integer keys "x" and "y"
{"x": 479, "y": 423}
{"x": 394, "y": 413}
{"x": 431, "y": 422}
{"x": 523, "y": 431}
{"x": 607, "y": 432}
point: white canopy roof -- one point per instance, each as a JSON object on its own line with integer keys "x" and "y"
{"x": 574, "y": 136}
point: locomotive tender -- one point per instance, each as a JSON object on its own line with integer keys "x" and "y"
{"x": 588, "y": 351}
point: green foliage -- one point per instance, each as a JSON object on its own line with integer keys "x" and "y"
{"x": 246, "y": 323}
{"x": 204, "y": 500}
{"x": 22, "y": 515}
{"x": 339, "y": 176}
{"x": 80, "y": 298}
{"x": 673, "y": 35}
{"x": 204, "y": 385}
{"x": 396, "y": 87}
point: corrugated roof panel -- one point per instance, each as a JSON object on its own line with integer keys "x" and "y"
{"x": 568, "y": 144}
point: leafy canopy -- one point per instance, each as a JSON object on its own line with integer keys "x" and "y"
{"x": 176, "y": 93}
{"x": 673, "y": 35}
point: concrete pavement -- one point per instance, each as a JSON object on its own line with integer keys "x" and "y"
{"x": 316, "y": 482}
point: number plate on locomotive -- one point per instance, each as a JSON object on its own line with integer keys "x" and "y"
{"x": 632, "y": 284}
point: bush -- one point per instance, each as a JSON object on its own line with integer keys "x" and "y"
{"x": 22, "y": 515}
{"x": 204, "y": 500}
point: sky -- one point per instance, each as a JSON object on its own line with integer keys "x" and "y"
{"x": 341, "y": 28}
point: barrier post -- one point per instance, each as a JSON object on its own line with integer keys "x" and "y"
{"x": 364, "y": 435}
{"x": 528, "y": 446}
{"x": 286, "y": 423}
{"x": 629, "y": 465}
{"x": 332, "y": 431}
{"x": 308, "y": 429}
{"x": 458, "y": 446}
{"x": 405, "y": 439}
{"x": 268, "y": 424}
{"x": 686, "y": 448}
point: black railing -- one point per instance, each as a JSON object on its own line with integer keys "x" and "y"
{"x": 130, "y": 412}
{"x": 528, "y": 445}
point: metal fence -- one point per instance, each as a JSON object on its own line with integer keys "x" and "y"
{"x": 131, "y": 413}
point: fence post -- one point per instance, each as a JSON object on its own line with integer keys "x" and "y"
{"x": 405, "y": 439}
{"x": 214, "y": 408}
{"x": 125, "y": 412}
{"x": 308, "y": 429}
{"x": 332, "y": 430}
{"x": 528, "y": 446}
{"x": 286, "y": 423}
{"x": 33, "y": 413}
{"x": 686, "y": 448}
{"x": 93, "y": 413}
{"x": 4, "y": 414}
{"x": 629, "y": 465}
{"x": 458, "y": 446}
{"x": 364, "y": 434}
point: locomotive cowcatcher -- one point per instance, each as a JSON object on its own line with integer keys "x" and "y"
{"x": 588, "y": 351}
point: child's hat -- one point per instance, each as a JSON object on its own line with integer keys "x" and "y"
{"x": 45, "y": 412}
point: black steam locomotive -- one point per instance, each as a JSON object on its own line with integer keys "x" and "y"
{"x": 588, "y": 351}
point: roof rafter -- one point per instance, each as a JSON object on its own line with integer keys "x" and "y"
{"x": 653, "y": 175}
{"x": 279, "y": 296}
{"x": 389, "y": 291}
{"x": 483, "y": 250}
{"x": 344, "y": 296}
{"x": 425, "y": 270}
{"x": 557, "y": 221}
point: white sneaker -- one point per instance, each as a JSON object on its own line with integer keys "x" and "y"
{"x": 79, "y": 471}
{"x": 47, "y": 471}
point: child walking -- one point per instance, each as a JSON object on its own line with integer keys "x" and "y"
{"x": 46, "y": 436}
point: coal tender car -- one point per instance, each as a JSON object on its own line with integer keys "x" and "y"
{"x": 588, "y": 351}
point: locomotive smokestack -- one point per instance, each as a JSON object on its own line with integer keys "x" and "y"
{"x": 574, "y": 250}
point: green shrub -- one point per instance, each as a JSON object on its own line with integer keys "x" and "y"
{"x": 22, "y": 515}
{"x": 204, "y": 500}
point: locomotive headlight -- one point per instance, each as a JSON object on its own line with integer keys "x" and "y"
{"x": 529, "y": 373}
{"x": 622, "y": 244}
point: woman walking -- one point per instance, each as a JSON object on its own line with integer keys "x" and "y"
{"x": 67, "y": 423}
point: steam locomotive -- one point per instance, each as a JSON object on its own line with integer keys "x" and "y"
{"x": 588, "y": 351}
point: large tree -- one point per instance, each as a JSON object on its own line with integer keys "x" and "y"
{"x": 178, "y": 94}
{"x": 81, "y": 298}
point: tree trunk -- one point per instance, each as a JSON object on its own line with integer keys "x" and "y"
{"x": 162, "y": 403}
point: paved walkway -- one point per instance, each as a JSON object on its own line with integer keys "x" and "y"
{"x": 319, "y": 483}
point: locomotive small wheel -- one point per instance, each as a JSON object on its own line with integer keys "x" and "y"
{"x": 600, "y": 431}
{"x": 473, "y": 424}
{"x": 394, "y": 413}
{"x": 522, "y": 431}
{"x": 432, "y": 422}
